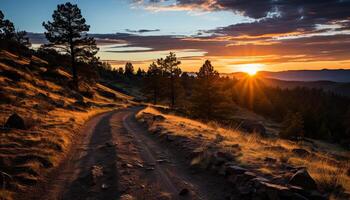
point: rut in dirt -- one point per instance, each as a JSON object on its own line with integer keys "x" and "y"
{"x": 118, "y": 158}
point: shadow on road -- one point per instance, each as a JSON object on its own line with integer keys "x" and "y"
{"x": 99, "y": 157}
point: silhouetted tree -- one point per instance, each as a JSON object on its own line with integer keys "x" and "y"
{"x": 170, "y": 69}
{"x": 120, "y": 71}
{"x": 206, "y": 97}
{"x": 68, "y": 33}
{"x": 140, "y": 73}
{"x": 129, "y": 70}
{"x": 7, "y": 29}
{"x": 21, "y": 38}
{"x": 153, "y": 82}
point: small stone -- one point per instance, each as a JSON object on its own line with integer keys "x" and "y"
{"x": 15, "y": 121}
{"x": 126, "y": 197}
{"x": 184, "y": 192}
{"x": 303, "y": 179}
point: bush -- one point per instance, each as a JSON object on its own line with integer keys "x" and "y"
{"x": 293, "y": 126}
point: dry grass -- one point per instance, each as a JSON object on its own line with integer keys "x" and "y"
{"x": 327, "y": 163}
{"x": 26, "y": 155}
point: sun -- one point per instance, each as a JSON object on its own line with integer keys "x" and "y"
{"x": 251, "y": 69}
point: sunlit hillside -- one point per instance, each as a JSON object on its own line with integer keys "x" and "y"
{"x": 52, "y": 115}
{"x": 272, "y": 158}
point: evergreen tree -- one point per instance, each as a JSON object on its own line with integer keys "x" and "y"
{"x": 170, "y": 68}
{"x": 140, "y": 73}
{"x": 120, "y": 71}
{"x": 7, "y": 29}
{"x": 68, "y": 33}
{"x": 206, "y": 98}
{"x": 129, "y": 70}
{"x": 153, "y": 82}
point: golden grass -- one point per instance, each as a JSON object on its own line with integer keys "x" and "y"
{"x": 27, "y": 155}
{"x": 323, "y": 165}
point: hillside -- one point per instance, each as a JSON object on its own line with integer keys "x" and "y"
{"x": 256, "y": 166}
{"x": 52, "y": 115}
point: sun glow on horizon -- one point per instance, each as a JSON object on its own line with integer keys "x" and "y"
{"x": 251, "y": 69}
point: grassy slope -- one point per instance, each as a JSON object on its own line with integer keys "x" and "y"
{"x": 27, "y": 155}
{"x": 327, "y": 164}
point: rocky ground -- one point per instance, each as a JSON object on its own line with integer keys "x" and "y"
{"x": 256, "y": 167}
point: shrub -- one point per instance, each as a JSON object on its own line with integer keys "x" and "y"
{"x": 293, "y": 126}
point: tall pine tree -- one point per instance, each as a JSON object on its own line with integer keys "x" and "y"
{"x": 206, "y": 97}
{"x": 170, "y": 68}
{"x": 68, "y": 33}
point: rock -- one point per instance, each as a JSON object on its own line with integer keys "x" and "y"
{"x": 235, "y": 170}
{"x": 126, "y": 197}
{"x": 301, "y": 152}
{"x": 253, "y": 127}
{"x": 15, "y": 121}
{"x": 184, "y": 192}
{"x": 303, "y": 179}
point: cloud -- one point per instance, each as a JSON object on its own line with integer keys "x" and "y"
{"x": 140, "y": 31}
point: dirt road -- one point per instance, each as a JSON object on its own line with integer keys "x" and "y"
{"x": 118, "y": 159}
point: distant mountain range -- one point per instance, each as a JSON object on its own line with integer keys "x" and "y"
{"x": 335, "y": 75}
{"x": 337, "y": 81}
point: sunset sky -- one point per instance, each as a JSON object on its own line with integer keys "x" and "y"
{"x": 269, "y": 35}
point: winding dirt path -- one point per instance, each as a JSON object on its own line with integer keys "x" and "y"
{"x": 118, "y": 159}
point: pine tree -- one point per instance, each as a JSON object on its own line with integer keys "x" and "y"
{"x": 68, "y": 33}
{"x": 170, "y": 68}
{"x": 7, "y": 29}
{"x": 206, "y": 98}
{"x": 129, "y": 70}
{"x": 153, "y": 82}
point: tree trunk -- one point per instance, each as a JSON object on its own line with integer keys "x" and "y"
{"x": 155, "y": 96}
{"x": 74, "y": 70}
{"x": 172, "y": 91}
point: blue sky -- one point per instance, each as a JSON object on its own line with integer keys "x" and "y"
{"x": 117, "y": 15}
{"x": 268, "y": 35}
